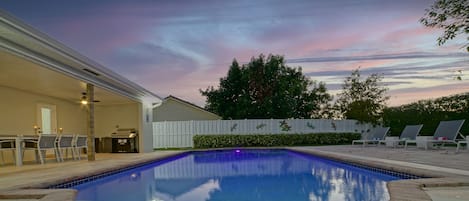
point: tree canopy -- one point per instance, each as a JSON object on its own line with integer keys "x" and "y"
{"x": 362, "y": 100}
{"x": 267, "y": 88}
{"x": 429, "y": 113}
{"x": 450, "y": 15}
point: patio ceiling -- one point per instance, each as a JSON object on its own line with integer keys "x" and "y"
{"x": 19, "y": 73}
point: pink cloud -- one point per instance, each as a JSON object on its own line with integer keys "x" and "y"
{"x": 402, "y": 36}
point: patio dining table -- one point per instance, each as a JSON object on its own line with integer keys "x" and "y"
{"x": 19, "y": 139}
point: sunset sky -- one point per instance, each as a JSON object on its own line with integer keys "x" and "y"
{"x": 178, "y": 47}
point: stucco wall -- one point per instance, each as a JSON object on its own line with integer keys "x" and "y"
{"x": 107, "y": 118}
{"x": 146, "y": 129}
{"x": 18, "y": 115}
{"x": 171, "y": 110}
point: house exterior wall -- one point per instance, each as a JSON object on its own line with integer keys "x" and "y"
{"x": 146, "y": 126}
{"x": 135, "y": 115}
{"x": 18, "y": 110}
{"x": 108, "y": 118}
{"x": 171, "y": 110}
{"x": 18, "y": 115}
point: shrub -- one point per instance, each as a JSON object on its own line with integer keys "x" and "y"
{"x": 256, "y": 140}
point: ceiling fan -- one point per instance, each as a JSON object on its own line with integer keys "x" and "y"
{"x": 84, "y": 99}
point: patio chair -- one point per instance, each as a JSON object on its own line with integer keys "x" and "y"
{"x": 409, "y": 133}
{"x": 42, "y": 144}
{"x": 445, "y": 133}
{"x": 461, "y": 143}
{"x": 81, "y": 142}
{"x": 374, "y": 137}
{"x": 7, "y": 145}
{"x": 65, "y": 143}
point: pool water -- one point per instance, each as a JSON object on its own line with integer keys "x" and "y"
{"x": 240, "y": 175}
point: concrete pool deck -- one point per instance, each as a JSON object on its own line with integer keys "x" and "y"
{"x": 450, "y": 171}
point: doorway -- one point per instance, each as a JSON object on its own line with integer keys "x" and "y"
{"x": 47, "y": 118}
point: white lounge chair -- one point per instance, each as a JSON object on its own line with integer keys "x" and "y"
{"x": 445, "y": 133}
{"x": 42, "y": 144}
{"x": 374, "y": 137}
{"x": 461, "y": 143}
{"x": 409, "y": 133}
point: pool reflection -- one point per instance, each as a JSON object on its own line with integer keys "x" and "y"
{"x": 245, "y": 176}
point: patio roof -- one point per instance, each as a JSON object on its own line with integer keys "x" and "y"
{"x": 63, "y": 73}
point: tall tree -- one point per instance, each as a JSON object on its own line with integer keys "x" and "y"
{"x": 323, "y": 108}
{"x": 450, "y": 15}
{"x": 429, "y": 113}
{"x": 363, "y": 100}
{"x": 266, "y": 88}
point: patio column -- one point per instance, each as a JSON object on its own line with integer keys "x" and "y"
{"x": 90, "y": 122}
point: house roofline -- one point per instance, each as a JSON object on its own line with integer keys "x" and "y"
{"x": 84, "y": 69}
{"x": 189, "y": 103}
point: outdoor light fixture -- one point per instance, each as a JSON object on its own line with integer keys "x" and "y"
{"x": 84, "y": 100}
{"x": 36, "y": 129}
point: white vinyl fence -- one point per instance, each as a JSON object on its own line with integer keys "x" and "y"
{"x": 171, "y": 134}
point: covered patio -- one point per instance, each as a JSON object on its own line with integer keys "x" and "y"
{"x": 43, "y": 82}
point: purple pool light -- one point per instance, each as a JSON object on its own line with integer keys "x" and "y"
{"x": 237, "y": 150}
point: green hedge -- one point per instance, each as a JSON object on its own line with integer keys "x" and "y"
{"x": 256, "y": 140}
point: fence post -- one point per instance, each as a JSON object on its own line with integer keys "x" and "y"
{"x": 246, "y": 126}
{"x": 191, "y": 136}
{"x": 271, "y": 126}
{"x": 165, "y": 133}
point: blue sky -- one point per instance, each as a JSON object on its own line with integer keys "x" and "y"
{"x": 178, "y": 47}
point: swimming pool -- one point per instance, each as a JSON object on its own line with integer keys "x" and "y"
{"x": 240, "y": 175}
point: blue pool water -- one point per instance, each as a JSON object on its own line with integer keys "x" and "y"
{"x": 245, "y": 175}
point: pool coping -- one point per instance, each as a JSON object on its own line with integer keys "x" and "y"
{"x": 39, "y": 194}
{"x": 400, "y": 190}
{"x": 105, "y": 170}
{"x": 41, "y": 191}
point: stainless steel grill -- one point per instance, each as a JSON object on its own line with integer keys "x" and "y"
{"x": 125, "y": 140}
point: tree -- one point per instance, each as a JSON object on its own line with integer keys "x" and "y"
{"x": 323, "y": 108}
{"x": 429, "y": 113}
{"x": 266, "y": 88}
{"x": 450, "y": 15}
{"x": 362, "y": 100}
